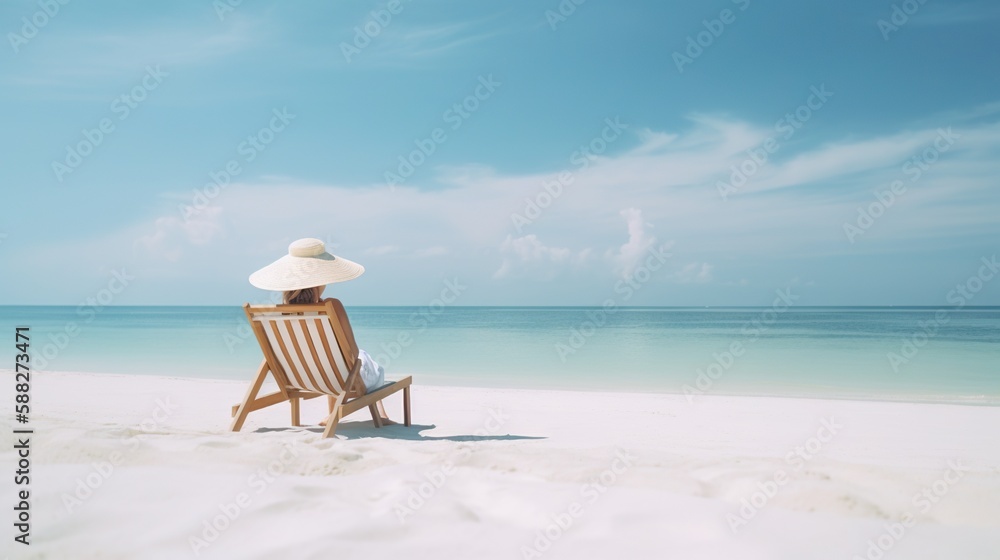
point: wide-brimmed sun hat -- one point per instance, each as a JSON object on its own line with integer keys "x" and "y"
{"x": 306, "y": 265}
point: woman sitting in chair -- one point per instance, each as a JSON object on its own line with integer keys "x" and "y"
{"x": 302, "y": 275}
{"x": 372, "y": 374}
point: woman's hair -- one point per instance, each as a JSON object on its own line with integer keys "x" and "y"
{"x": 305, "y": 295}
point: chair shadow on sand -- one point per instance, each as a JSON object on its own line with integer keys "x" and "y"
{"x": 361, "y": 429}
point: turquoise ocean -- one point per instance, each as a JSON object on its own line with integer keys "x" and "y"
{"x": 906, "y": 354}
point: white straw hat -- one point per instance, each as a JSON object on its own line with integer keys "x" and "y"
{"x": 306, "y": 265}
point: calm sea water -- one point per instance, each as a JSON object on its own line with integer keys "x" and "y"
{"x": 917, "y": 354}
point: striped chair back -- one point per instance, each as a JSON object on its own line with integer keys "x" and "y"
{"x": 309, "y": 349}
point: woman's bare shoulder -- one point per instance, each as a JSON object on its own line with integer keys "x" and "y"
{"x": 336, "y": 302}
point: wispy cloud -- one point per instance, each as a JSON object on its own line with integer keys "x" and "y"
{"x": 169, "y": 235}
{"x": 403, "y": 42}
{"x": 431, "y": 40}
{"x": 693, "y": 273}
{"x": 435, "y": 251}
{"x": 81, "y": 59}
{"x": 381, "y": 250}
{"x": 528, "y": 256}
{"x": 793, "y": 208}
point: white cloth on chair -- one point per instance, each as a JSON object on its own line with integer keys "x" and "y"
{"x": 372, "y": 374}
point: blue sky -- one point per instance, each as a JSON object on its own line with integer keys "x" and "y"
{"x": 835, "y": 107}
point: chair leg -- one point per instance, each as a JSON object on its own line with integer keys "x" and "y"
{"x": 334, "y": 418}
{"x": 376, "y": 417}
{"x": 243, "y": 410}
{"x": 295, "y": 411}
{"x": 406, "y": 406}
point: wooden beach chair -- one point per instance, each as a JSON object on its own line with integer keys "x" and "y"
{"x": 310, "y": 351}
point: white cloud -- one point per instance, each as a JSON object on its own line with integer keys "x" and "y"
{"x": 840, "y": 159}
{"x": 435, "y": 251}
{"x": 404, "y": 42}
{"x": 527, "y": 256}
{"x": 668, "y": 180}
{"x": 693, "y": 273}
{"x": 170, "y": 234}
{"x": 381, "y": 250}
{"x": 59, "y": 62}
{"x": 639, "y": 242}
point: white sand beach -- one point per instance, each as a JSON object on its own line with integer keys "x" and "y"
{"x": 144, "y": 467}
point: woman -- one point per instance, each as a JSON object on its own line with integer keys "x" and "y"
{"x": 372, "y": 374}
{"x": 301, "y": 276}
